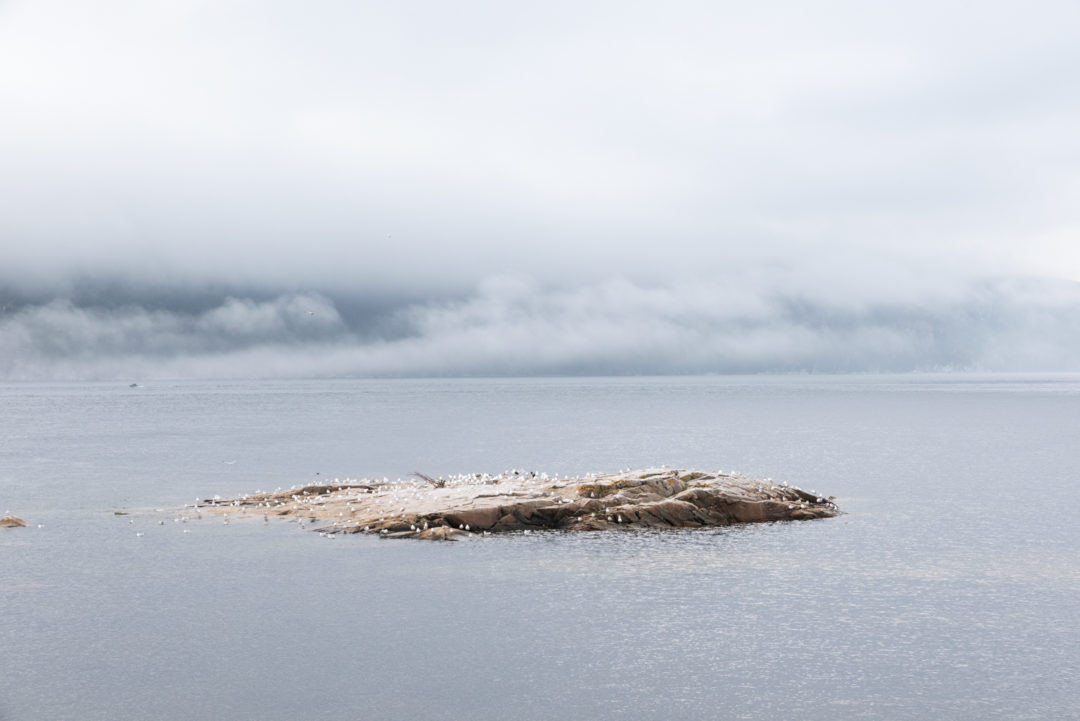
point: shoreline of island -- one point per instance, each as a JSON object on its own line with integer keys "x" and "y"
{"x": 455, "y": 507}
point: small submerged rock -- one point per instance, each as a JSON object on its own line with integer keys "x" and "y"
{"x": 465, "y": 506}
{"x": 12, "y": 522}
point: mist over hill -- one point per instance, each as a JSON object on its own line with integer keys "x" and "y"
{"x": 516, "y": 326}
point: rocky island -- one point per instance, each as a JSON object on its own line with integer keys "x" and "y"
{"x": 462, "y": 506}
{"x": 10, "y": 521}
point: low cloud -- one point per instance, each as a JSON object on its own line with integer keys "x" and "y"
{"x": 60, "y": 339}
{"x": 518, "y": 326}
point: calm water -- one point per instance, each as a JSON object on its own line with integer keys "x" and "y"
{"x": 950, "y": 590}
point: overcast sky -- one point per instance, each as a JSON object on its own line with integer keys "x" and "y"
{"x": 402, "y": 164}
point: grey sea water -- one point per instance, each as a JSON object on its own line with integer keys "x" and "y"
{"x": 951, "y": 589}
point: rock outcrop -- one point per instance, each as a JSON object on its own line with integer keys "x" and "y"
{"x": 12, "y": 522}
{"x": 445, "y": 509}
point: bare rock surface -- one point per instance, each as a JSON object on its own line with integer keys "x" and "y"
{"x": 12, "y": 522}
{"x": 461, "y": 506}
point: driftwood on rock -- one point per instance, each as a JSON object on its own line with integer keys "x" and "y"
{"x": 461, "y": 506}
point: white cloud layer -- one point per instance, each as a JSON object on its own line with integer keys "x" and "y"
{"x": 484, "y": 187}
{"x": 337, "y": 144}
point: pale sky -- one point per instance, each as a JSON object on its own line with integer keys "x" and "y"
{"x": 856, "y": 152}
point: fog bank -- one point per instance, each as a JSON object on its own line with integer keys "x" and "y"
{"x": 518, "y": 326}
